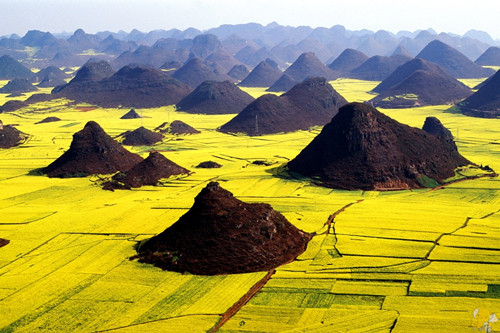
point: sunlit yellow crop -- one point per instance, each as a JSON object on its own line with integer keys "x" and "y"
{"x": 415, "y": 261}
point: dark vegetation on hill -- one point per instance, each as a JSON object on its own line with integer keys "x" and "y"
{"x": 92, "y": 151}
{"x": 284, "y": 83}
{"x": 10, "y": 68}
{"x": 141, "y": 137}
{"x": 363, "y": 149}
{"x": 18, "y": 86}
{"x": 490, "y": 57}
{"x": 195, "y": 71}
{"x": 225, "y": 45}
{"x": 263, "y": 75}
{"x": 223, "y": 235}
{"x": 348, "y": 60}
{"x": 48, "y": 120}
{"x": 308, "y": 65}
{"x": 377, "y": 68}
{"x": 419, "y": 83}
{"x": 176, "y": 127}
{"x": 147, "y": 172}
{"x": 131, "y": 86}
{"x": 485, "y": 102}
{"x": 11, "y": 136}
{"x": 4, "y": 242}
{"x": 238, "y": 72}
{"x": 310, "y": 103}
{"x": 13, "y": 104}
{"x": 51, "y": 76}
{"x": 433, "y": 125}
{"x": 132, "y": 114}
{"x": 212, "y": 97}
{"x": 208, "y": 165}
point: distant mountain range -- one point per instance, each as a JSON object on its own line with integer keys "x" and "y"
{"x": 248, "y": 43}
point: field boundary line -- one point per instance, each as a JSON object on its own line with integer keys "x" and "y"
{"x": 242, "y": 301}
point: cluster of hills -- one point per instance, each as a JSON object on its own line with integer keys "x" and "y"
{"x": 249, "y": 43}
{"x": 164, "y": 67}
{"x": 358, "y": 148}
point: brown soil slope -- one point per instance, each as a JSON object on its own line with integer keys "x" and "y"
{"x": 147, "y": 172}
{"x": 310, "y": 103}
{"x": 132, "y": 114}
{"x": 4, "y": 242}
{"x": 92, "y": 151}
{"x": 18, "y": 86}
{"x": 11, "y": 136}
{"x": 485, "y": 102}
{"x": 212, "y": 97}
{"x": 176, "y": 127}
{"x": 141, "y": 137}
{"x": 361, "y": 148}
{"x": 223, "y": 235}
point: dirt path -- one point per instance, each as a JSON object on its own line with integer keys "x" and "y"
{"x": 242, "y": 301}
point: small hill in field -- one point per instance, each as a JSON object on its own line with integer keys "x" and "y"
{"x": 377, "y": 68}
{"x": 13, "y": 105}
{"x": 284, "y": 83}
{"x": 347, "y": 61}
{"x": 140, "y": 137}
{"x": 419, "y": 83}
{"x": 93, "y": 70}
{"x": 221, "y": 58}
{"x": 4, "y": 242}
{"x": 485, "y": 102}
{"x": 310, "y": 103}
{"x": 51, "y": 76}
{"x": 11, "y": 136}
{"x": 10, "y": 68}
{"x": 223, "y": 235}
{"x": 208, "y": 165}
{"x": 92, "y": 151}
{"x": 212, "y": 97}
{"x": 363, "y": 149}
{"x": 132, "y": 86}
{"x": 195, "y": 72}
{"x": 490, "y": 57}
{"x": 238, "y": 72}
{"x": 433, "y": 125}
{"x": 401, "y": 50}
{"x": 263, "y": 75}
{"x": 132, "y": 114}
{"x": 453, "y": 61}
{"x": 308, "y": 65}
{"x": 48, "y": 120}
{"x": 176, "y": 127}
{"x": 147, "y": 172}
{"x": 18, "y": 86}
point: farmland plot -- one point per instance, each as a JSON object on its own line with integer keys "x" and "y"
{"x": 419, "y": 260}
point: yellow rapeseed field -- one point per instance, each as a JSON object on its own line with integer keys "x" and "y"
{"x": 403, "y": 261}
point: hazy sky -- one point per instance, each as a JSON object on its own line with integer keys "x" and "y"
{"x": 19, "y": 16}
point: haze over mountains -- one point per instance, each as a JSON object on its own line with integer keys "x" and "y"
{"x": 162, "y": 67}
{"x": 245, "y": 43}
